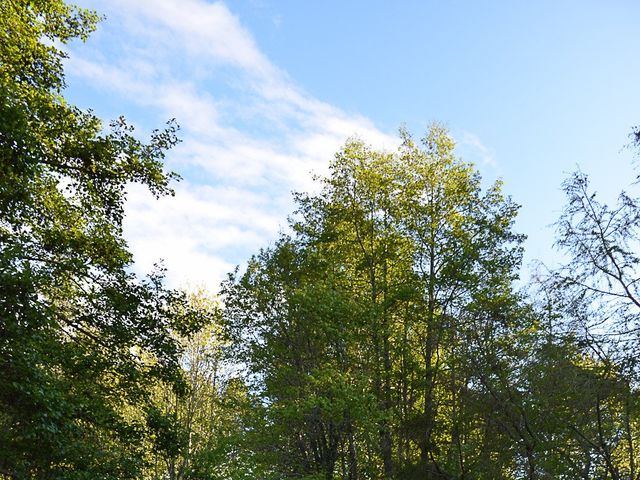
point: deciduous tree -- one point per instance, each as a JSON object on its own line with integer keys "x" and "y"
{"x": 82, "y": 341}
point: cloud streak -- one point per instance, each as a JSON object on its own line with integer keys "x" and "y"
{"x": 479, "y": 149}
{"x": 251, "y": 135}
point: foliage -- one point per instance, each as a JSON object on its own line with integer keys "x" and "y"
{"x": 207, "y": 422}
{"x": 597, "y": 300}
{"x": 382, "y": 338}
{"x": 385, "y": 339}
{"x": 82, "y": 341}
{"x": 358, "y": 331}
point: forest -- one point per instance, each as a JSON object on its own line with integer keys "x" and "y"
{"x": 387, "y": 334}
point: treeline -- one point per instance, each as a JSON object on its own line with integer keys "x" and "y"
{"x": 383, "y": 337}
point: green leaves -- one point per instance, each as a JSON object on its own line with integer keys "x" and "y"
{"x": 359, "y": 331}
{"x": 82, "y": 341}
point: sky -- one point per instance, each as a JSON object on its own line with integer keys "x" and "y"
{"x": 267, "y": 91}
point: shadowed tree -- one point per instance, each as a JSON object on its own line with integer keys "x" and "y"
{"x": 82, "y": 341}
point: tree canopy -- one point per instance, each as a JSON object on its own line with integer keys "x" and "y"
{"x": 383, "y": 336}
{"x": 82, "y": 340}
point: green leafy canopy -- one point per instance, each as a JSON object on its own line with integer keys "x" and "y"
{"x": 82, "y": 341}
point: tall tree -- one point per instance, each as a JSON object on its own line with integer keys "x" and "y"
{"x": 466, "y": 257}
{"x": 208, "y": 422}
{"x": 599, "y": 302}
{"x": 602, "y": 274}
{"x": 391, "y": 269}
{"x": 82, "y": 341}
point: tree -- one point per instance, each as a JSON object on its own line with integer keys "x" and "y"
{"x": 291, "y": 329}
{"x": 209, "y": 420}
{"x": 602, "y": 272}
{"x": 599, "y": 303}
{"x": 466, "y": 257}
{"x": 377, "y": 299}
{"x": 82, "y": 341}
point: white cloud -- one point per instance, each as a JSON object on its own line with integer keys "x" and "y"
{"x": 193, "y": 231}
{"x": 201, "y": 28}
{"x": 251, "y": 135}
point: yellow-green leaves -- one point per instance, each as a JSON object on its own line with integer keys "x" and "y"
{"x": 358, "y": 329}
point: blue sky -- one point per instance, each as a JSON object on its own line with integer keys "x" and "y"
{"x": 266, "y": 91}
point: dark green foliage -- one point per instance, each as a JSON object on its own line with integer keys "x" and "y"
{"x": 81, "y": 340}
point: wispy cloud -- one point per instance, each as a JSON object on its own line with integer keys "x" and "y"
{"x": 251, "y": 135}
{"x": 478, "y": 149}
